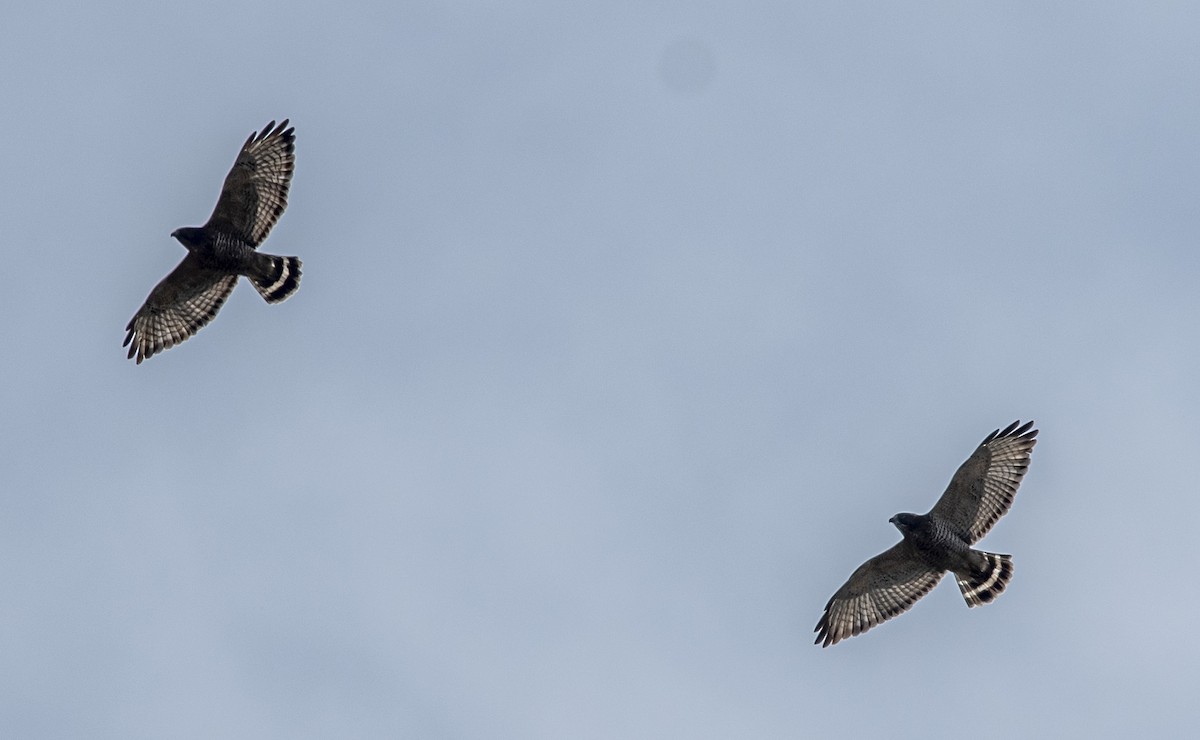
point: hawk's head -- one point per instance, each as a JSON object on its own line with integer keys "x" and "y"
{"x": 189, "y": 236}
{"x": 905, "y": 522}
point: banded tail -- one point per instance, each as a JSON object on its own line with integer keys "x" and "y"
{"x": 983, "y": 586}
{"x": 278, "y": 279}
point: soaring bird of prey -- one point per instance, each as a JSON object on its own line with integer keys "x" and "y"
{"x": 979, "y": 494}
{"x": 254, "y": 196}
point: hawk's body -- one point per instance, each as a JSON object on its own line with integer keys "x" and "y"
{"x": 251, "y": 201}
{"x": 980, "y": 493}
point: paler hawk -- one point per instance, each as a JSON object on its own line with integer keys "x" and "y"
{"x": 980, "y": 493}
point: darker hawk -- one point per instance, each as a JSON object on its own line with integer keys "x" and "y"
{"x": 980, "y": 493}
{"x": 254, "y": 196}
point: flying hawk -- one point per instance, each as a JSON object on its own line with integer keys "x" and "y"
{"x": 254, "y": 196}
{"x": 980, "y": 493}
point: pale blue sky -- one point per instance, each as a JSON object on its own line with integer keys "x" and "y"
{"x": 623, "y": 331}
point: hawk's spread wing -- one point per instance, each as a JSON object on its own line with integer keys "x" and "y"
{"x": 984, "y": 486}
{"x": 884, "y": 586}
{"x": 256, "y": 189}
{"x": 182, "y": 302}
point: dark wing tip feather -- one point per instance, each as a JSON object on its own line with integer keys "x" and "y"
{"x": 130, "y": 332}
{"x": 824, "y": 637}
{"x": 271, "y": 129}
{"x": 1016, "y": 430}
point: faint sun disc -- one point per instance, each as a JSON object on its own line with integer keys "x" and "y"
{"x": 687, "y": 66}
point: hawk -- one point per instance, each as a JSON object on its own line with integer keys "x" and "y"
{"x": 251, "y": 201}
{"x": 979, "y": 493}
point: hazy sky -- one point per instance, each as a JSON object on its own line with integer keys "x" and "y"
{"x": 623, "y": 331}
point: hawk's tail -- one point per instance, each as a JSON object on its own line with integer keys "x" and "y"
{"x": 984, "y": 585}
{"x": 278, "y": 278}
